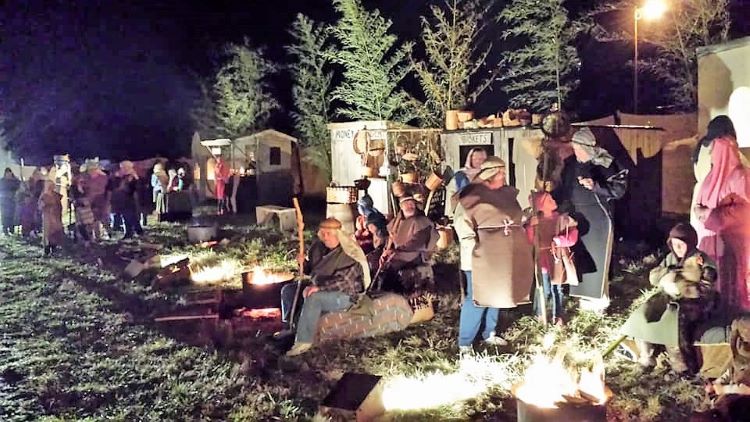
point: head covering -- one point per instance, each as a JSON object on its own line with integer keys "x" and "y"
{"x": 725, "y": 159}
{"x": 127, "y": 168}
{"x": 490, "y": 168}
{"x": 687, "y": 234}
{"x": 406, "y": 198}
{"x": 586, "y": 140}
{"x": 365, "y": 205}
{"x": 468, "y": 170}
{"x": 718, "y": 127}
{"x": 349, "y": 246}
{"x": 181, "y": 171}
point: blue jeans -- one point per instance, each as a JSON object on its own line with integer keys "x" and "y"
{"x": 472, "y": 315}
{"x": 313, "y": 308}
{"x": 287, "y": 300}
{"x": 553, "y": 292}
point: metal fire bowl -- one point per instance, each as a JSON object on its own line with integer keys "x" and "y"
{"x": 564, "y": 412}
{"x": 260, "y": 296}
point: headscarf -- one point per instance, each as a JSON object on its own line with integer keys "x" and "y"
{"x": 725, "y": 159}
{"x": 468, "y": 170}
{"x": 350, "y": 247}
{"x": 718, "y": 127}
{"x": 686, "y": 233}
{"x": 365, "y": 205}
{"x": 489, "y": 168}
{"x": 586, "y": 140}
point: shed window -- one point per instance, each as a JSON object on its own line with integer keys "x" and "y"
{"x": 275, "y": 156}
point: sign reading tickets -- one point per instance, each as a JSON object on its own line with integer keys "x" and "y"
{"x": 482, "y": 138}
{"x": 347, "y": 135}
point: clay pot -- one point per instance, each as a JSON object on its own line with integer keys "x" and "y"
{"x": 398, "y": 189}
{"x": 465, "y": 116}
{"x": 451, "y": 119}
{"x": 369, "y": 172}
{"x": 409, "y": 177}
{"x": 376, "y": 148}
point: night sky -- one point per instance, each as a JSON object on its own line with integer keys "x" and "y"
{"x": 117, "y": 78}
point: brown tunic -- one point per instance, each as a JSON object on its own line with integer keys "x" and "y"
{"x": 52, "y": 227}
{"x": 502, "y": 266}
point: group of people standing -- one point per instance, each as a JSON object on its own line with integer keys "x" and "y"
{"x": 99, "y": 202}
{"x": 564, "y": 238}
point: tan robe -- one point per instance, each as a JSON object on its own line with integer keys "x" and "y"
{"x": 52, "y": 227}
{"x": 501, "y": 262}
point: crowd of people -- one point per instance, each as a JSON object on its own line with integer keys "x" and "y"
{"x": 87, "y": 204}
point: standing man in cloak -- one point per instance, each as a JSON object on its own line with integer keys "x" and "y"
{"x": 489, "y": 216}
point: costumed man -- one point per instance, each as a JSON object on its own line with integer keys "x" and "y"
{"x": 685, "y": 298}
{"x": 51, "y": 209}
{"x": 405, "y": 266}
{"x": 488, "y": 221}
{"x": 733, "y": 387}
{"x": 63, "y": 179}
{"x": 96, "y": 189}
{"x": 339, "y": 273}
{"x": 589, "y": 181}
{"x": 9, "y": 185}
{"x": 123, "y": 191}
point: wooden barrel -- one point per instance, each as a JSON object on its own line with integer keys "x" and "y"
{"x": 345, "y": 213}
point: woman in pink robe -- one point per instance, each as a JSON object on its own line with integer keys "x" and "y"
{"x": 723, "y": 207}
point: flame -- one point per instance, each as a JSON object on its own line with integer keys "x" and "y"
{"x": 261, "y": 276}
{"x": 226, "y": 270}
{"x": 548, "y": 382}
{"x": 263, "y": 313}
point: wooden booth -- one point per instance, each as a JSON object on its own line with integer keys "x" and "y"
{"x": 385, "y": 153}
{"x": 262, "y": 168}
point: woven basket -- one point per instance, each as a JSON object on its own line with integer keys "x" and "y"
{"x": 409, "y": 177}
{"x": 341, "y": 194}
{"x": 433, "y": 182}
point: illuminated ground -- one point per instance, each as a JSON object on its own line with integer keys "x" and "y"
{"x": 76, "y": 341}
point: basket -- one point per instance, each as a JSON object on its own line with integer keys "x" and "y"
{"x": 398, "y": 189}
{"x": 433, "y": 182}
{"x": 369, "y": 172}
{"x": 409, "y": 177}
{"x": 451, "y": 119}
{"x": 376, "y": 147}
{"x": 341, "y": 194}
{"x": 465, "y": 116}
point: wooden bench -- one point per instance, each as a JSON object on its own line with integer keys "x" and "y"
{"x": 264, "y": 215}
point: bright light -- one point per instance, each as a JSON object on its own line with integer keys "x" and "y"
{"x": 653, "y": 9}
{"x": 739, "y": 112}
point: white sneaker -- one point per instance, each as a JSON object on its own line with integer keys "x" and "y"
{"x": 465, "y": 351}
{"x": 495, "y": 340}
{"x": 298, "y": 349}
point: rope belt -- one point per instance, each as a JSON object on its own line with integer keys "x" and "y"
{"x": 506, "y": 225}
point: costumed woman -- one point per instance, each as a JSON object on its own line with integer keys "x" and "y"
{"x": 723, "y": 207}
{"x": 96, "y": 188}
{"x": 50, "y": 206}
{"x": 221, "y": 178}
{"x": 463, "y": 177}
{"x": 589, "y": 181}
{"x": 159, "y": 185}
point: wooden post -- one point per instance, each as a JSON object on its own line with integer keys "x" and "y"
{"x": 301, "y": 268}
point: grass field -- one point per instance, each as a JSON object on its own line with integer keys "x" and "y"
{"x": 78, "y": 342}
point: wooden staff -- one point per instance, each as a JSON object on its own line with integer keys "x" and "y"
{"x": 537, "y": 240}
{"x": 301, "y": 238}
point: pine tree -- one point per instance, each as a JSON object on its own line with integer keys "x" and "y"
{"x": 450, "y": 38}
{"x": 374, "y": 65}
{"x": 546, "y": 65}
{"x": 311, "y": 91}
{"x": 203, "y": 113}
{"x": 243, "y": 101}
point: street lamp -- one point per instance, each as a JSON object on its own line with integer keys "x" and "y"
{"x": 651, "y": 10}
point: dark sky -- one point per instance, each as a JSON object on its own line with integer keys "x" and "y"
{"x": 116, "y": 78}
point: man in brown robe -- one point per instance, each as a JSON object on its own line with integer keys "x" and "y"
{"x": 413, "y": 236}
{"x": 502, "y": 266}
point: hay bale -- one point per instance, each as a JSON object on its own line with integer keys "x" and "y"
{"x": 391, "y": 312}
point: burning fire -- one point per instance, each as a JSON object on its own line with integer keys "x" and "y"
{"x": 548, "y": 383}
{"x": 225, "y": 270}
{"x": 261, "y": 276}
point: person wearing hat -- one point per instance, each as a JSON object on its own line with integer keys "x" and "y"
{"x": 95, "y": 185}
{"x": 412, "y": 237}
{"x": 685, "y": 298}
{"x": 338, "y": 270}
{"x": 495, "y": 253}
{"x": 589, "y": 182}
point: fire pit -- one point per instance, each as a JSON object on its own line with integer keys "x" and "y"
{"x": 262, "y": 290}
{"x": 552, "y": 392}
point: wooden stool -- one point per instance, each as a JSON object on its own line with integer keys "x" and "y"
{"x": 287, "y": 218}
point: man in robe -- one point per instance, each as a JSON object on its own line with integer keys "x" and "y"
{"x": 339, "y": 273}
{"x": 488, "y": 218}
{"x": 413, "y": 237}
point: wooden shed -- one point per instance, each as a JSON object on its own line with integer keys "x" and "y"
{"x": 264, "y": 167}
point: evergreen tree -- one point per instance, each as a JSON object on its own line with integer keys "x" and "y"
{"x": 311, "y": 91}
{"x": 203, "y": 112}
{"x": 545, "y": 67}
{"x": 374, "y": 65}
{"x": 243, "y": 101}
{"x": 450, "y": 38}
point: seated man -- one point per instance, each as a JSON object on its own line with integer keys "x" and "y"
{"x": 339, "y": 273}
{"x": 413, "y": 236}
